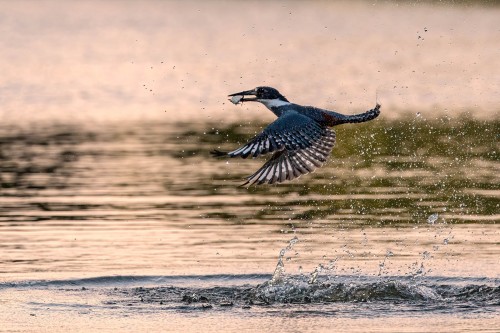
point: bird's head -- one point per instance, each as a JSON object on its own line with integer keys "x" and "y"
{"x": 266, "y": 95}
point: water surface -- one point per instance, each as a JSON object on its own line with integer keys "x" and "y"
{"x": 138, "y": 220}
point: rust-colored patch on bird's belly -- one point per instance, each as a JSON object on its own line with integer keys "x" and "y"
{"x": 330, "y": 120}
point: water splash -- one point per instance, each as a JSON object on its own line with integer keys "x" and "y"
{"x": 279, "y": 271}
{"x": 418, "y": 270}
{"x": 314, "y": 275}
{"x": 381, "y": 265}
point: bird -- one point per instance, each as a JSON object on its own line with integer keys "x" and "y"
{"x": 300, "y": 139}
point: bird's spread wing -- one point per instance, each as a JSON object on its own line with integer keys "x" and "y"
{"x": 301, "y": 146}
{"x": 291, "y": 131}
{"x": 291, "y": 164}
{"x": 299, "y": 143}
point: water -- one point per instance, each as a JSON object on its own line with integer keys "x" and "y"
{"x": 222, "y": 302}
{"x": 114, "y": 217}
{"x": 120, "y": 223}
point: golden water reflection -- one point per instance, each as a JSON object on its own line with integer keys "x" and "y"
{"x": 148, "y": 199}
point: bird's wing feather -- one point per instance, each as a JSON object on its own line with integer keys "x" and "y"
{"x": 291, "y": 131}
{"x": 289, "y": 164}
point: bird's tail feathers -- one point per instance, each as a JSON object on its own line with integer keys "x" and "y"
{"x": 365, "y": 116}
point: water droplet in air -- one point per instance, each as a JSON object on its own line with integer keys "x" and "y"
{"x": 432, "y": 218}
{"x": 426, "y": 255}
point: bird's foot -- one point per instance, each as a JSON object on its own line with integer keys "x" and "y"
{"x": 218, "y": 153}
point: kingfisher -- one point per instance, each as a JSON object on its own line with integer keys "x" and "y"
{"x": 300, "y": 140}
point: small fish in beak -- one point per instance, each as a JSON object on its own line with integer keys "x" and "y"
{"x": 241, "y": 97}
{"x": 236, "y": 99}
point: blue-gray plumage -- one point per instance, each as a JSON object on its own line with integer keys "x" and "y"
{"x": 300, "y": 138}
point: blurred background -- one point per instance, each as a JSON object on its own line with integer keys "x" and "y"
{"x": 85, "y": 61}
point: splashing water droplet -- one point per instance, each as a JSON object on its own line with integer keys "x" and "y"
{"x": 432, "y": 218}
{"x": 420, "y": 271}
{"x": 314, "y": 275}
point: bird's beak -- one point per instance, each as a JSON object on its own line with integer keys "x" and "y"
{"x": 246, "y": 93}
